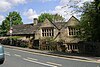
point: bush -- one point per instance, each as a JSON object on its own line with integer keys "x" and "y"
{"x": 23, "y": 44}
{"x": 15, "y": 42}
{"x": 5, "y": 41}
{"x": 48, "y": 44}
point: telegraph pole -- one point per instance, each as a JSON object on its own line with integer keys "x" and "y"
{"x": 10, "y": 30}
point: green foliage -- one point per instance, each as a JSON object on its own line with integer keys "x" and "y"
{"x": 51, "y": 43}
{"x": 90, "y": 22}
{"x": 48, "y": 44}
{"x": 50, "y": 17}
{"x": 43, "y": 16}
{"x": 15, "y": 42}
{"x": 2, "y": 32}
{"x": 14, "y": 18}
{"x": 58, "y": 17}
{"x": 16, "y": 37}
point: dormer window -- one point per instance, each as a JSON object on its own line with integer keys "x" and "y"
{"x": 47, "y": 32}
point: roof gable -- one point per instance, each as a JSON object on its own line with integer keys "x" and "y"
{"x": 47, "y": 23}
{"x": 72, "y": 21}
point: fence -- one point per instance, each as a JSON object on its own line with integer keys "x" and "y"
{"x": 90, "y": 48}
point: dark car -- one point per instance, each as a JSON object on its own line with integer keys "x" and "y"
{"x": 2, "y": 56}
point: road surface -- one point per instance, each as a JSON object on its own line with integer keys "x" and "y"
{"x": 19, "y": 58}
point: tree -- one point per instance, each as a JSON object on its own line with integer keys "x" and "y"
{"x": 50, "y": 17}
{"x": 57, "y": 17}
{"x": 13, "y": 18}
{"x": 43, "y": 16}
{"x": 90, "y": 22}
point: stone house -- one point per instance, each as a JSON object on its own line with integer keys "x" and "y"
{"x": 57, "y": 30}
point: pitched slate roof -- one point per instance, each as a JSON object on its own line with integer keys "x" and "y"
{"x": 59, "y": 25}
{"x": 23, "y": 29}
{"x": 36, "y": 27}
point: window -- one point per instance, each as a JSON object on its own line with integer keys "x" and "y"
{"x": 73, "y": 31}
{"x": 47, "y": 32}
{"x": 72, "y": 47}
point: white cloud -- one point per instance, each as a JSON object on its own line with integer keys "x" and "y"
{"x": 30, "y": 13}
{"x": 67, "y": 2}
{"x": 17, "y": 1}
{"x": 63, "y": 2}
{"x": 4, "y": 5}
{"x": 1, "y": 18}
{"x": 8, "y": 4}
{"x": 64, "y": 10}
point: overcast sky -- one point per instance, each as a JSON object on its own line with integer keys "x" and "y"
{"x": 30, "y": 9}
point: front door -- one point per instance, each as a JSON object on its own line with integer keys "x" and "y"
{"x": 36, "y": 44}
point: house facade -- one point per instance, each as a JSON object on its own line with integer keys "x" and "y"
{"x": 65, "y": 31}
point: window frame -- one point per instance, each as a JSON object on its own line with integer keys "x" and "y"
{"x": 47, "y": 32}
{"x": 72, "y": 31}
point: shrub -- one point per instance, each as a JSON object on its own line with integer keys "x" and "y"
{"x": 15, "y": 42}
{"x": 48, "y": 44}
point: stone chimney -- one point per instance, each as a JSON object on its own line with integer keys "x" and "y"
{"x": 35, "y": 20}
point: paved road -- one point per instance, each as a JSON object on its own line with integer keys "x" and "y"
{"x": 19, "y": 58}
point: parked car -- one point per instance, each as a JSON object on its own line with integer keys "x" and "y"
{"x": 2, "y": 56}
